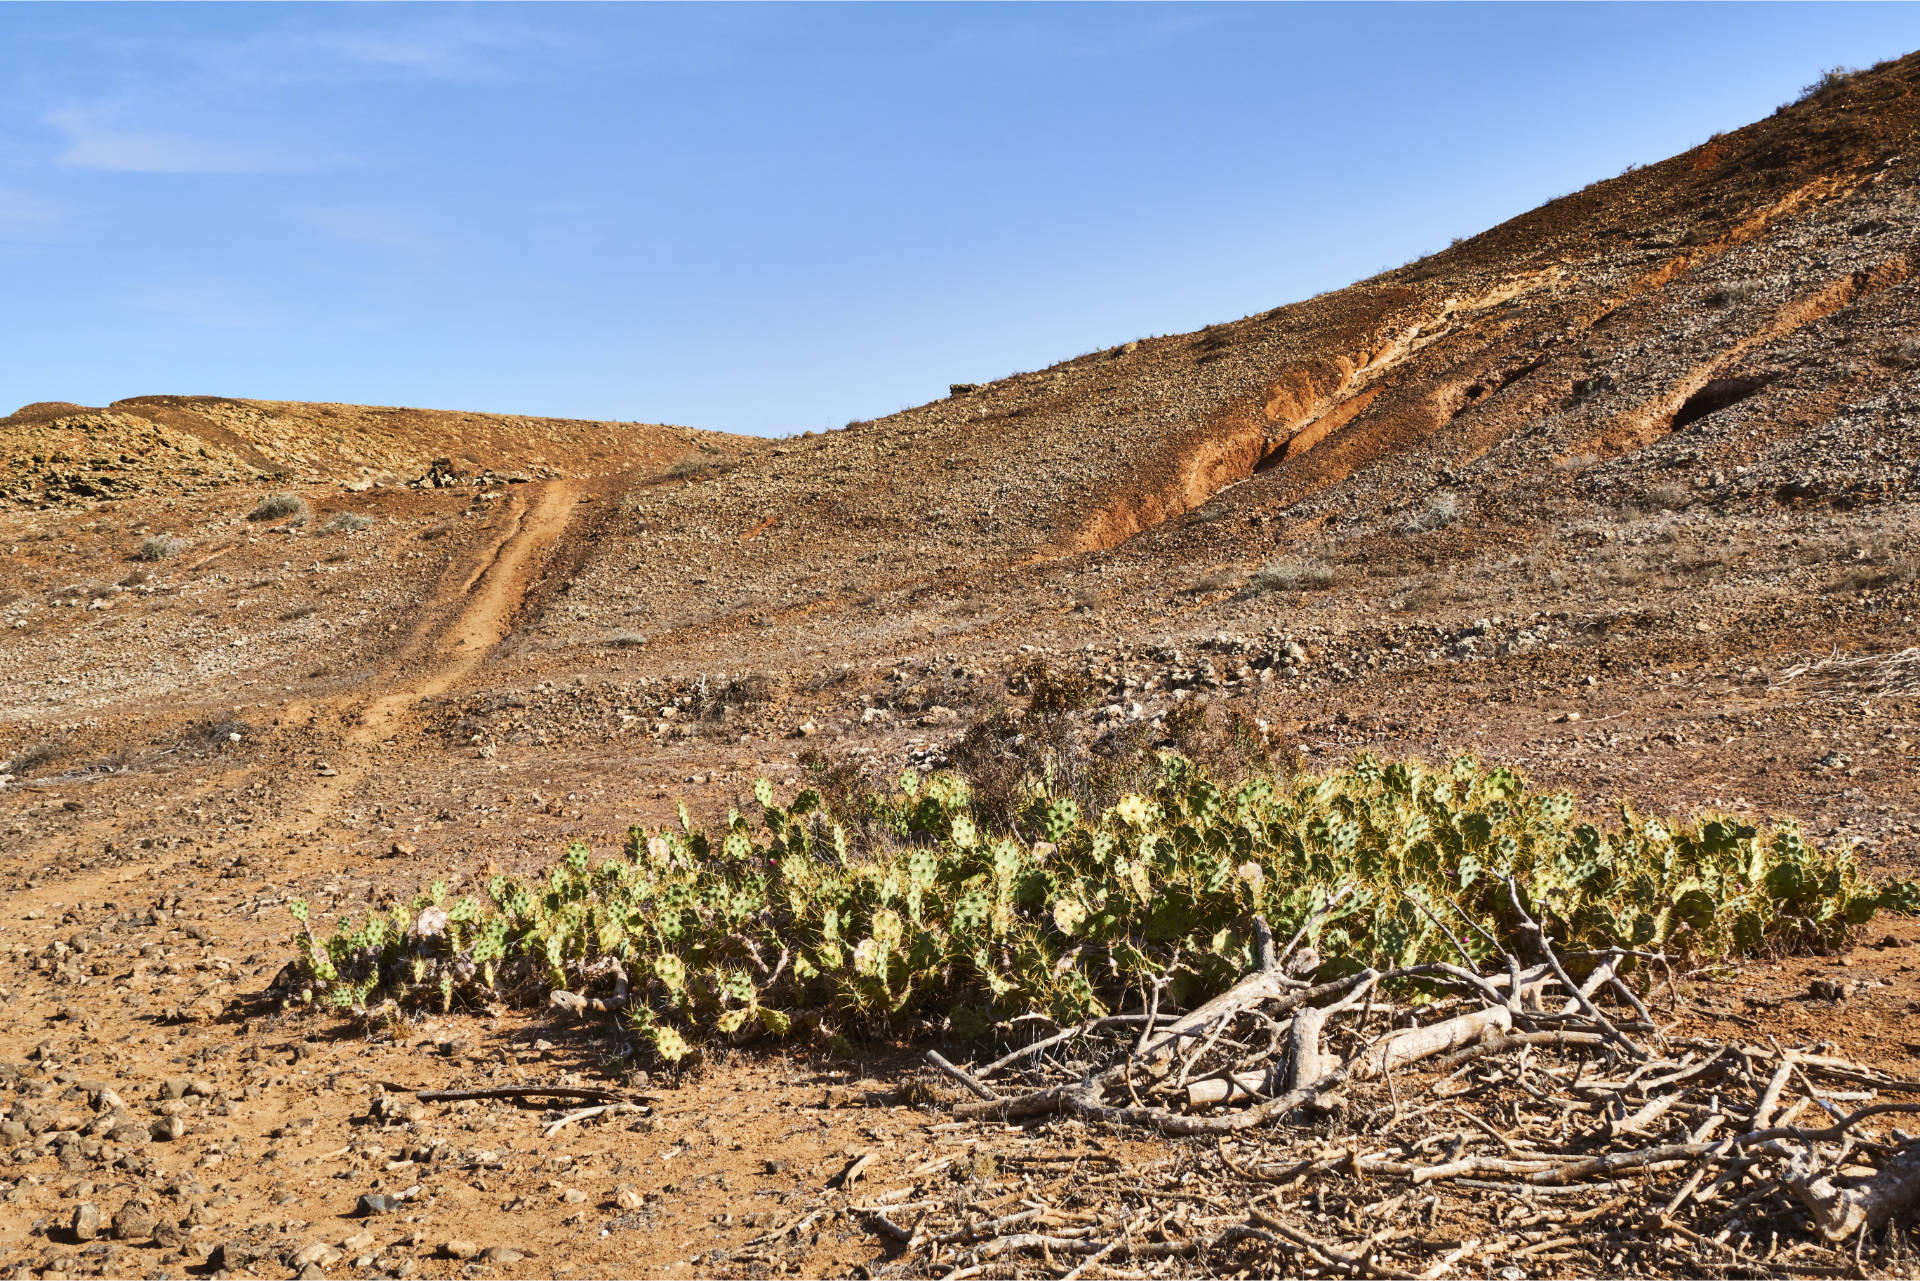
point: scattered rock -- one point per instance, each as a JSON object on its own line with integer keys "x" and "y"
{"x": 458, "y": 1248}
{"x": 235, "y": 1256}
{"x": 318, "y": 1254}
{"x": 86, "y": 1221}
{"x": 134, "y": 1222}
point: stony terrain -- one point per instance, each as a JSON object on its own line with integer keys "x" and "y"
{"x": 1624, "y": 491}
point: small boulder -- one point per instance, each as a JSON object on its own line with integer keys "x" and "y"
{"x": 86, "y": 1221}
{"x": 134, "y": 1221}
{"x": 318, "y": 1254}
{"x": 234, "y": 1256}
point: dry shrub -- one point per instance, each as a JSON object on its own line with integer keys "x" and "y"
{"x": 1902, "y": 355}
{"x": 1889, "y": 572}
{"x": 205, "y": 737}
{"x": 1439, "y": 511}
{"x": 1666, "y": 498}
{"x": 159, "y": 547}
{"x": 1051, "y": 692}
{"x": 1225, "y": 579}
{"x": 713, "y": 697}
{"x": 1293, "y": 576}
{"x": 1006, "y": 757}
{"x": 1831, "y": 78}
{"x": 1732, "y": 293}
{"x": 1001, "y": 753}
{"x": 38, "y": 757}
{"x": 1624, "y": 571}
{"x": 997, "y": 755}
{"x": 839, "y": 780}
{"x": 829, "y": 678}
{"x": 694, "y": 467}
{"x": 1230, "y": 745}
{"x": 279, "y": 506}
{"x": 1693, "y": 558}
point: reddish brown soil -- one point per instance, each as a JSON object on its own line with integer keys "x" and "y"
{"x": 1645, "y": 455}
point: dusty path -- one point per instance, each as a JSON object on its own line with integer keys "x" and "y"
{"x": 493, "y": 590}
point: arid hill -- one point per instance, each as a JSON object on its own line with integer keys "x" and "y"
{"x": 1621, "y": 491}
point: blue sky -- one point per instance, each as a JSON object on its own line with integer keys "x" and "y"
{"x": 769, "y": 219}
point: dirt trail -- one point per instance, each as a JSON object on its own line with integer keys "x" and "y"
{"x": 494, "y": 590}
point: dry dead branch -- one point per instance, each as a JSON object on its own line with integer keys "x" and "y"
{"x": 1350, "y": 1122}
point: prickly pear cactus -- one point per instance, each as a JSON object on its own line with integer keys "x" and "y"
{"x": 794, "y": 929}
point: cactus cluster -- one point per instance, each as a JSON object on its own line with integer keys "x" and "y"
{"x": 778, "y": 926}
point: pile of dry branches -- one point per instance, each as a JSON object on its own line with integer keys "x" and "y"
{"x": 1419, "y": 1122}
{"x": 1840, "y": 675}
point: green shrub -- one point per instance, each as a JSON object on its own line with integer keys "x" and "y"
{"x": 764, "y": 929}
{"x": 1831, "y": 78}
{"x": 279, "y": 506}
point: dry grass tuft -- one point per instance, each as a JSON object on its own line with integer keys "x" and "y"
{"x": 1293, "y": 576}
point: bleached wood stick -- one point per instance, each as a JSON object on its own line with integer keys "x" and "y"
{"x": 1841, "y": 1212}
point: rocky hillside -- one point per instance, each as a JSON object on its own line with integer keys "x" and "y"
{"x": 1621, "y": 491}
{"x": 60, "y": 453}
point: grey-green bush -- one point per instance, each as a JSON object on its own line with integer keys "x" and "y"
{"x": 160, "y": 547}
{"x": 279, "y": 506}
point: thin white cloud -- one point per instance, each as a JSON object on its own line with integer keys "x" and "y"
{"x": 436, "y": 47}
{"x": 95, "y": 141}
